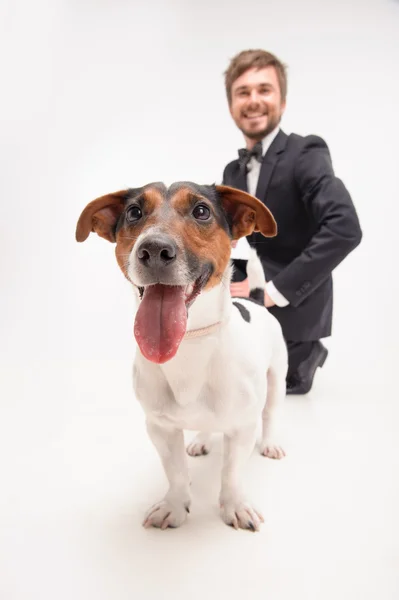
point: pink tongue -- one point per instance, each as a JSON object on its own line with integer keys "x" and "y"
{"x": 161, "y": 322}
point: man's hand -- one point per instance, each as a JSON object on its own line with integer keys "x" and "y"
{"x": 240, "y": 288}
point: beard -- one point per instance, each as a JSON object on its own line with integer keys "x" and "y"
{"x": 258, "y": 135}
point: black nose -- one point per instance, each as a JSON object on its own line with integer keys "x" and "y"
{"x": 157, "y": 251}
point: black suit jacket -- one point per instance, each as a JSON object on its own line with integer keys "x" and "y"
{"x": 317, "y": 227}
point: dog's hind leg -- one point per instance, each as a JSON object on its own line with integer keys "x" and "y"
{"x": 200, "y": 445}
{"x": 276, "y": 390}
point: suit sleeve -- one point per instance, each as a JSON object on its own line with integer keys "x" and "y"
{"x": 338, "y": 232}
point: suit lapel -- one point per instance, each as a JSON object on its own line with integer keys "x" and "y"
{"x": 269, "y": 162}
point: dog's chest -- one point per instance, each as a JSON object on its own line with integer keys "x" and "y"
{"x": 209, "y": 407}
{"x": 197, "y": 392}
{"x": 194, "y": 388}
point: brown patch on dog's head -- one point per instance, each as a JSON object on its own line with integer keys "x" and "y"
{"x": 202, "y": 227}
{"x": 108, "y": 217}
{"x": 147, "y": 201}
{"x": 232, "y": 214}
{"x": 248, "y": 214}
{"x": 202, "y": 220}
{"x": 101, "y": 216}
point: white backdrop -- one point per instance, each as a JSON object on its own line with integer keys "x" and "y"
{"x": 99, "y": 95}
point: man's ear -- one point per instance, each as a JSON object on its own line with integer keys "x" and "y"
{"x": 101, "y": 216}
{"x": 248, "y": 214}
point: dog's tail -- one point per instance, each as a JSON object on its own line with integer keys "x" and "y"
{"x": 256, "y": 277}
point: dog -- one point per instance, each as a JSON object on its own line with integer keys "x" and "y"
{"x": 206, "y": 362}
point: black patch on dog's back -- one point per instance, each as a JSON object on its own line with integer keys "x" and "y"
{"x": 244, "y": 312}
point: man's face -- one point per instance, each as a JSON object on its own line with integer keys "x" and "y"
{"x": 256, "y": 105}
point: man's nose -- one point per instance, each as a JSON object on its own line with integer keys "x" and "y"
{"x": 254, "y": 98}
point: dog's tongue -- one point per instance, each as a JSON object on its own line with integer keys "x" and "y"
{"x": 161, "y": 322}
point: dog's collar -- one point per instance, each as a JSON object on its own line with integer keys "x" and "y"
{"x": 194, "y": 333}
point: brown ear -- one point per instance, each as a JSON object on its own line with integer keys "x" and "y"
{"x": 248, "y": 213}
{"x": 101, "y": 216}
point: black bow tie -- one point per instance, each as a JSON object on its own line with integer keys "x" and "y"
{"x": 244, "y": 155}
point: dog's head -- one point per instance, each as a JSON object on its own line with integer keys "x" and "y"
{"x": 172, "y": 243}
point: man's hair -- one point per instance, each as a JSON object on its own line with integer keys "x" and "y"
{"x": 255, "y": 59}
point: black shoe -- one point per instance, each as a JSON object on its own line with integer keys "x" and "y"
{"x": 301, "y": 382}
{"x": 292, "y": 383}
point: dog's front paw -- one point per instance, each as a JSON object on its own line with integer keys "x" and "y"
{"x": 167, "y": 513}
{"x": 240, "y": 515}
{"x": 272, "y": 450}
{"x": 200, "y": 445}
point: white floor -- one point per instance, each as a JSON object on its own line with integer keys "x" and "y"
{"x": 78, "y": 473}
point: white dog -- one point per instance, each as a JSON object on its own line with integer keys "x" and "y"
{"x": 206, "y": 362}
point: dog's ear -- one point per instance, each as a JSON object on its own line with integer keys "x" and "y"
{"x": 248, "y": 214}
{"x": 101, "y": 216}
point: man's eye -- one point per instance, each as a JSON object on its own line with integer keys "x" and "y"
{"x": 133, "y": 214}
{"x": 201, "y": 212}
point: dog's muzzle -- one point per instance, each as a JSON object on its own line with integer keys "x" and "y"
{"x": 169, "y": 283}
{"x": 157, "y": 252}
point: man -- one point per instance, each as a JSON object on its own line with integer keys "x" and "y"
{"x": 316, "y": 219}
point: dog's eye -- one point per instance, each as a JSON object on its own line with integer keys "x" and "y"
{"x": 201, "y": 212}
{"x": 133, "y": 214}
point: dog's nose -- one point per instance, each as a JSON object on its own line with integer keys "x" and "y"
{"x": 157, "y": 251}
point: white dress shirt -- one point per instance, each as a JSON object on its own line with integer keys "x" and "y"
{"x": 241, "y": 251}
